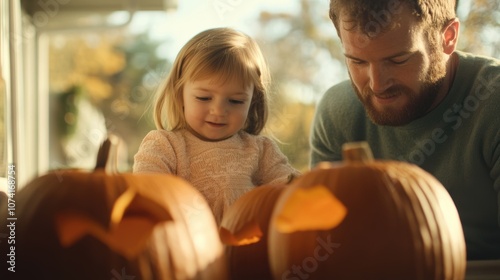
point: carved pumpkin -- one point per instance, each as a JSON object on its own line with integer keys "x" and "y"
{"x": 366, "y": 219}
{"x": 95, "y": 225}
{"x": 244, "y": 230}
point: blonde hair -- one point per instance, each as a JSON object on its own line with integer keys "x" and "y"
{"x": 221, "y": 53}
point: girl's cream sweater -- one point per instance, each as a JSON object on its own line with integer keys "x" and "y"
{"x": 222, "y": 171}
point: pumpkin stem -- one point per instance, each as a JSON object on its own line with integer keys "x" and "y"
{"x": 357, "y": 151}
{"x": 107, "y": 155}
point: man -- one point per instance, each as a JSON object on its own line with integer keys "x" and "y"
{"x": 413, "y": 97}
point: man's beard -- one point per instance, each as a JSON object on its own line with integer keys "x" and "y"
{"x": 418, "y": 104}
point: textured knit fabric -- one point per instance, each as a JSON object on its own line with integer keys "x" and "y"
{"x": 458, "y": 142}
{"x": 222, "y": 171}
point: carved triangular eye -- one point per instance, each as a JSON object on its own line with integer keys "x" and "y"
{"x": 313, "y": 208}
{"x": 133, "y": 219}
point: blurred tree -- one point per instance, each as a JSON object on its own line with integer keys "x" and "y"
{"x": 305, "y": 58}
{"x": 480, "y": 27}
{"x": 118, "y": 75}
{"x": 299, "y": 46}
{"x": 129, "y": 112}
{"x": 79, "y": 67}
{"x": 86, "y": 59}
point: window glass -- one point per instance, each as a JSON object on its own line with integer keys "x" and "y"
{"x": 104, "y": 81}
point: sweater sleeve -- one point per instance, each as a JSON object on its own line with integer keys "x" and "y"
{"x": 155, "y": 155}
{"x": 274, "y": 167}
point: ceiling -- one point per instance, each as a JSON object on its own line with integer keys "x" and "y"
{"x": 64, "y": 6}
{"x": 49, "y": 15}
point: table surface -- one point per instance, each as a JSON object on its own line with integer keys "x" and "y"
{"x": 483, "y": 270}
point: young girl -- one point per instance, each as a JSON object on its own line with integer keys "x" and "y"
{"x": 209, "y": 115}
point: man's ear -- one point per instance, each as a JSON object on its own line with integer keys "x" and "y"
{"x": 450, "y": 36}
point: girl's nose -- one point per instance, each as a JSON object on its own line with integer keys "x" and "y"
{"x": 218, "y": 109}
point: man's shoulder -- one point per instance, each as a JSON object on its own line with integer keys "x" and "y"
{"x": 481, "y": 76}
{"x": 476, "y": 67}
{"x": 478, "y": 58}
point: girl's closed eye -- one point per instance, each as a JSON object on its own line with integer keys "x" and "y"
{"x": 236, "y": 101}
{"x": 203, "y": 98}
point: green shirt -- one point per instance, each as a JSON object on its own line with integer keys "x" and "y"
{"x": 458, "y": 142}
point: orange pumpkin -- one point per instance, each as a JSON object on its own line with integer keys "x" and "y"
{"x": 366, "y": 219}
{"x": 244, "y": 230}
{"x": 95, "y": 225}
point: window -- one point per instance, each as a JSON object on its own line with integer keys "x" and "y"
{"x": 113, "y": 74}
{"x": 78, "y": 69}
